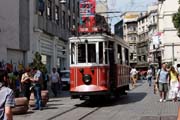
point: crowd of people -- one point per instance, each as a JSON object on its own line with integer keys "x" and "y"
{"x": 23, "y": 83}
{"x": 167, "y": 80}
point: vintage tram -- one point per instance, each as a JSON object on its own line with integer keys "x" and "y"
{"x": 99, "y": 65}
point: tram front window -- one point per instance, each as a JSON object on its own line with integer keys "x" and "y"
{"x": 81, "y": 53}
{"x": 91, "y": 53}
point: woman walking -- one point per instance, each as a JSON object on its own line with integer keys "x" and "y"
{"x": 174, "y": 83}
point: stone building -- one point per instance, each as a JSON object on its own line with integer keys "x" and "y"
{"x": 170, "y": 42}
{"x": 130, "y": 34}
{"x": 29, "y": 26}
{"x": 143, "y": 42}
{"x": 154, "y": 56}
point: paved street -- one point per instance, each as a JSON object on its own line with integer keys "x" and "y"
{"x": 140, "y": 104}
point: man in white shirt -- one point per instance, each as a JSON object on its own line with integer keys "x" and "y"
{"x": 55, "y": 81}
{"x": 133, "y": 74}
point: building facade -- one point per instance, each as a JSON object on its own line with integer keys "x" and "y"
{"x": 42, "y": 26}
{"x": 143, "y": 42}
{"x": 154, "y": 57}
{"x": 130, "y": 34}
{"x": 170, "y": 42}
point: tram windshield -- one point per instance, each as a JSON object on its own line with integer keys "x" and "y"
{"x": 87, "y": 53}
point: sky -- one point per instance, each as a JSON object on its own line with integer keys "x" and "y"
{"x": 126, "y": 5}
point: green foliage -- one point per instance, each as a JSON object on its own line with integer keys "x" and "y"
{"x": 176, "y": 21}
{"x": 38, "y": 63}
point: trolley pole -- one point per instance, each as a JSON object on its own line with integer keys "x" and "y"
{"x": 172, "y": 53}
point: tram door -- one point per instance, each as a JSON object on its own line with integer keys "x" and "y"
{"x": 112, "y": 67}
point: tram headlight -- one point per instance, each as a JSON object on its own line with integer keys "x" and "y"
{"x": 87, "y": 79}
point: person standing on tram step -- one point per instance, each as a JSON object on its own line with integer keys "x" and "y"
{"x": 149, "y": 76}
{"x": 55, "y": 81}
{"x": 26, "y": 83}
{"x": 162, "y": 79}
{"x": 7, "y": 100}
{"x": 133, "y": 74}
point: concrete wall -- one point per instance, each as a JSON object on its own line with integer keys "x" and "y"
{"x": 9, "y": 25}
{"x": 169, "y": 33}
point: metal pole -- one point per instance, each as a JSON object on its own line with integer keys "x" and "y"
{"x": 172, "y": 53}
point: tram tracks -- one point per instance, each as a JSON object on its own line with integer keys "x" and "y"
{"x": 78, "y": 113}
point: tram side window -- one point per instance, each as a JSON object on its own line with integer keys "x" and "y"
{"x": 91, "y": 53}
{"x": 119, "y": 54}
{"x": 72, "y": 53}
{"x": 126, "y": 56}
{"x": 100, "y": 52}
{"x": 106, "y": 53}
{"x": 81, "y": 53}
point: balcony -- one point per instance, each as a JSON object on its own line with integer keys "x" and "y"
{"x": 131, "y": 32}
{"x": 51, "y": 27}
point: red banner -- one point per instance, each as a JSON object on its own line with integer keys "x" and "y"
{"x": 87, "y": 16}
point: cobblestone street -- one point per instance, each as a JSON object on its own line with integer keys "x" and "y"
{"x": 140, "y": 104}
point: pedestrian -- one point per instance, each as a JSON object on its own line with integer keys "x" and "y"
{"x": 149, "y": 76}
{"x": 55, "y": 81}
{"x": 6, "y": 99}
{"x": 37, "y": 82}
{"x": 162, "y": 80}
{"x": 133, "y": 74}
{"x": 174, "y": 84}
{"x": 26, "y": 83}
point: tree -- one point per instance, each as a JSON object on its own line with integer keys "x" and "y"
{"x": 38, "y": 63}
{"x": 176, "y": 21}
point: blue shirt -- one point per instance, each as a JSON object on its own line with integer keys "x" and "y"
{"x": 163, "y": 76}
{"x": 6, "y": 99}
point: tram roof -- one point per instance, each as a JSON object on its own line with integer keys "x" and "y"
{"x": 99, "y": 37}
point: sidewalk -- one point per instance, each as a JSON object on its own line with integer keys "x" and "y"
{"x": 140, "y": 104}
{"x": 153, "y": 109}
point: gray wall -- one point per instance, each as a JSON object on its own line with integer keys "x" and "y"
{"x": 24, "y": 25}
{"x": 9, "y": 25}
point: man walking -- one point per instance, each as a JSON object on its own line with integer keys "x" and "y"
{"x": 149, "y": 76}
{"x": 133, "y": 78}
{"x": 55, "y": 80}
{"x": 6, "y": 100}
{"x": 162, "y": 78}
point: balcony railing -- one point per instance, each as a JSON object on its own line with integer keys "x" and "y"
{"x": 51, "y": 27}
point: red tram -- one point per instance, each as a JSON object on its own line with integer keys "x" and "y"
{"x": 99, "y": 65}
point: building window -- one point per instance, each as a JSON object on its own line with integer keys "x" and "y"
{"x": 40, "y": 5}
{"x": 144, "y": 57}
{"x": 74, "y": 5}
{"x": 69, "y": 23}
{"x": 78, "y": 9}
{"x": 139, "y": 58}
{"x": 131, "y": 56}
{"x": 63, "y": 19}
{"x": 69, "y": 4}
{"x": 49, "y": 9}
{"x": 57, "y": 14}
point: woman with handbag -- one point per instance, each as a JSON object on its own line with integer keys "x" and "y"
{"x": 174, "y": 84}
{"x": 26, "y": 83}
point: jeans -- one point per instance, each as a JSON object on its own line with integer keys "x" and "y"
{"x": 37, "y": 95}
{"x": 149, "y": 80}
